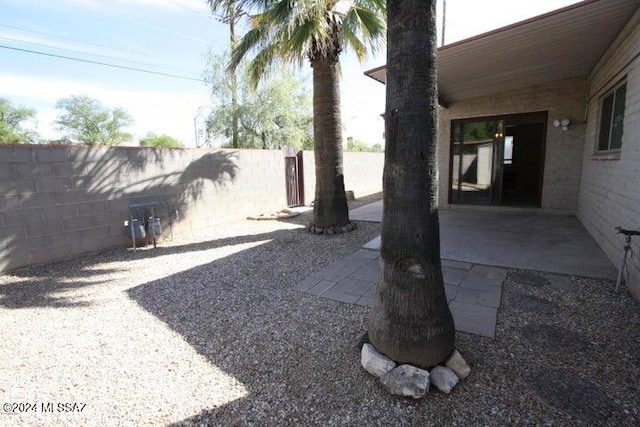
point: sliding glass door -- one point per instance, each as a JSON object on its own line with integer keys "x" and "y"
{"x": 475, "y": 148}
{"x": 498, "y": 160}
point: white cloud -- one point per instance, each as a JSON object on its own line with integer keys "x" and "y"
{"x": 158, "y": 111}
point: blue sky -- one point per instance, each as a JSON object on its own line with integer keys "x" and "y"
{"x": 173, "y": 37}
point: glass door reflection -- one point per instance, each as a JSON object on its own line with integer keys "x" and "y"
{"x": 475, "y": 148}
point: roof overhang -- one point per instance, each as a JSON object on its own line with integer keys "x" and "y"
{"x": 562, "y": 44}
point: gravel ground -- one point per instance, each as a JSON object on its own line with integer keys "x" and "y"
{"x": 212, "y": 332}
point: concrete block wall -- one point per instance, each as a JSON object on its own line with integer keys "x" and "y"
{"x": 57, "y": 202}
{"x": 362, "y": 173}
{"x": 61, "y": 201}
{"x": 563, "y": 150}
{"x": 609, "y": 192}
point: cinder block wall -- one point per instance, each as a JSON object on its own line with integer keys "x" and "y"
{"x": 610, "y": 188}
{"x": 563, "y": 150}
{"x": 60, "y": 201}
{"x": 362, "y": 173}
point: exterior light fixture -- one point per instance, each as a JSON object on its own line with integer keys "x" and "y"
{"x": 563, "y": 124}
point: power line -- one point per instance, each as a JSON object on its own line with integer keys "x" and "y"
{"x": 148, "y": 25}
{"x": 83, "y": 53}
{"x": 13, "y": 27}
{"x": 122, "y": 67}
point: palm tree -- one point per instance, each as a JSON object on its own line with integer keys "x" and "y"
{"x": 410, "y": 321}
{"x": 318, "y": 31}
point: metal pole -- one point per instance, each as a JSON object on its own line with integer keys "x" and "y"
{"x": 444, "y": 20}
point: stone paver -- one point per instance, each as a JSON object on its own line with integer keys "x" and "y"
{"x": 473, "y": 291}
{"x": 477, "y": 248}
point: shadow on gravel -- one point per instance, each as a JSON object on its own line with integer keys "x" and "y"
{"x": 297, "y": 356}
{"x": 242, "y": 314}
{"x": 44, "y": 286}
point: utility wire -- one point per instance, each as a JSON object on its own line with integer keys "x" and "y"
{"x": 88, "y": 61}
{"x": 152, "y": 26}
{"x": 83, "y": 53}
{"x": 26, "y": 30}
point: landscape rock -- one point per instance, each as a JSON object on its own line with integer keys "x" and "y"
{"x": 375, "y": 363}
{"x": 408, "y": 381}
{"x": 444, "y": 379}
{"x": 457, "y": 364}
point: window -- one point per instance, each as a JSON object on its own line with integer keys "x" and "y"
{"x": 612, "y": 119}
{"x": 508, "y": 150}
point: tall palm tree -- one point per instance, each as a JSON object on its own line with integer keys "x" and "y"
{"x": 317, "y": 31}
{"x": 410, "y": 321}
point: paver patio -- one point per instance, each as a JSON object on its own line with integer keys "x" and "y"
{"x": 477, "y": 248}
{"x": 473, "y": 291}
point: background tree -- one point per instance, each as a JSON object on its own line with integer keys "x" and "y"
{"x": 357, "y": 145}
{"x": 153, "y": 140}
{"x": 85, "y": 119}
{"x": 274, "y": 114}
{"x": 318, "y": 31}
{"x": 410, "y": 320}
{"x": 12, "y": 121}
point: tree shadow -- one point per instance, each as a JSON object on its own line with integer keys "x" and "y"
{"x": 42, "y": 292}
{"x": 57, "y": 202}
{"x": 243, "y": 316}
{"x": 45, "y": 285}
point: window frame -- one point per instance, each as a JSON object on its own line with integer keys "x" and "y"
{"x": 613, "y": 95}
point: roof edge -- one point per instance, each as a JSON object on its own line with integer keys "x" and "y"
{"x": 369, "y": 73}
{"x": 520, "y": 23}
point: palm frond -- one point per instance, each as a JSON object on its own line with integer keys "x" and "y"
{"x": 291, "y": 30}
{"x": 261, "y": 64}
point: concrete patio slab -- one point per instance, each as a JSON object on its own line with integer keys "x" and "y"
{"x": 522, "y": 240}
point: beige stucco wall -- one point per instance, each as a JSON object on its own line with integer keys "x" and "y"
{"x": 563, "y": 152}
{"x": 610, "y": 189}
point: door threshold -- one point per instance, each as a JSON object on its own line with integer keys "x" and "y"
{"x": 514, "y": 210}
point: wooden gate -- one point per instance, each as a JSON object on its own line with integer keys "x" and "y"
{"x": 294, "y": 178}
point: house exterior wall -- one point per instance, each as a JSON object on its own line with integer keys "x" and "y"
{"x": 563, "y": 150}
{"x": 57, "y": 202}
{"x": 610, "y": 188}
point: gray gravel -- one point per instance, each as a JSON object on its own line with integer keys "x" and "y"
{"x": 210, "y": 331}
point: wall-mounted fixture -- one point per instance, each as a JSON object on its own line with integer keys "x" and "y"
{"x": 563, "y": 124}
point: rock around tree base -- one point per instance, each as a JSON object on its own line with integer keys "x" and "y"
{"x": 333, "y": 229}
{"x": 410, "y": 381}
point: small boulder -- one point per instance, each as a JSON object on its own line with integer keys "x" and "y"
{"x": 444, "y": 379}
{"x": 457, "y": 364}
{"x": 408, "y": 381}
{"x": 375, "y": 363}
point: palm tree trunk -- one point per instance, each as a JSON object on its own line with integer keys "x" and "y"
{"x": 410, "y": 321}
{"x": 330, "y": 207}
